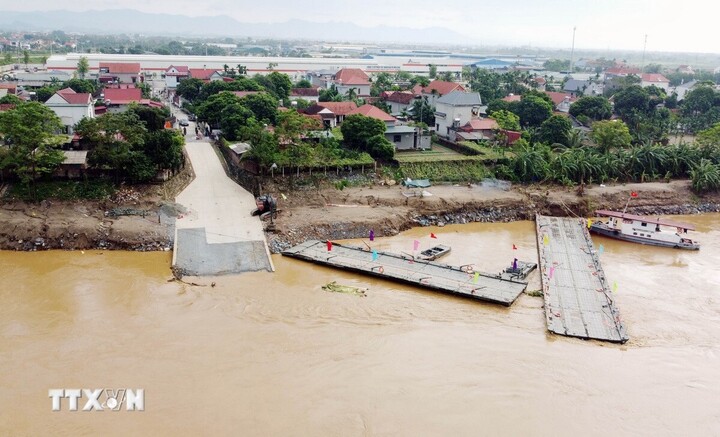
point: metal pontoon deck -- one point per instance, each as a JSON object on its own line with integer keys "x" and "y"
{"x": 578, "y": 301}
{"x": 427, "y": 274}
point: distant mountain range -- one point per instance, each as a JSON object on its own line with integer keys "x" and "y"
{"x": 126, "y": 21}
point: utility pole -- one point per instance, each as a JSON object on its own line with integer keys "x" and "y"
{"x": 572, "y": 51}
{"x": 642, "y": 63}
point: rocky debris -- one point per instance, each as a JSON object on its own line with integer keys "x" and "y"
{"x": 126, "y": 195}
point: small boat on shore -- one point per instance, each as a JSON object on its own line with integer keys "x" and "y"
{"x": 644, "y": 230}
{"x": 434, "y": 252}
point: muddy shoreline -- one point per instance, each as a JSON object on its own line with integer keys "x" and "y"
{"x": 146, "y": 218}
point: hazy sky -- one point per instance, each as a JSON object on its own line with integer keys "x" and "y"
{"x": 688, "y": 26}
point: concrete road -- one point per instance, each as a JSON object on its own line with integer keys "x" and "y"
{"x": 217, "y": 235}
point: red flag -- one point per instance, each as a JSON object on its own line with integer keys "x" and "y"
{"x": 432, "y": 235}
{"x": 329, "y": 243}
{"x": 514, "y": 247}
{"x": 633, "y": 194}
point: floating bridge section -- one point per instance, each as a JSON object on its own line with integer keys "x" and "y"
{"x": 427, "y": 274}
{"x": 578, "y": 300}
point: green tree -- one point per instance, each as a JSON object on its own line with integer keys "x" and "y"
{"x": 330, "y": 95}
{"x": 26, "y": 57}
{"x": 233, "y": 118}
{"x": 705, "y": 176}
{"x": 83, "y": 67}
{"x": 709, "y": 137}
{"x": 533, "y": 110}
{"x": 380, "y": 148}
{"x": 432, "y": 71}
{"x": 357, "y": 129}
{"x": 593, "y": 107}
{"x": 506, "y": 120}
{"x": 555, "y": 130}
{"x": 557, "y": 64}
{"x": 30, "y": 130}
{"x": 153, "y": 118}
{"x": 11, "y": 99}
{"x": 81, "y": 85}
{"x": 189, "y": 89}
{"x": 303, "y": 83}
{"x": 631, "y": 101}
{"x": 263, "y": 105}
{"x": 210, "y": 110}
{"x": 164, "y": 149}
{"x": 610, "y": 134}
{"x": 422, "y": 111}
{"x": 699, "y": 101}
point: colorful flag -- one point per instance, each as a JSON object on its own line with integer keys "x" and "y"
{"x": 283, "y": 196}
{"x": 551, "y": 271}
{"x": 416, "y": 245}
{"x": 514, "y": 247}
{"x": 546, "y": 239}
{"x": 614, "y": 287}
{"x": 372, "y": 235}
{"x": 329, "y": 245}
{"x": 432, "y": 235}
{"x": 374, "y": 255}
{"x": 633, "y": 194}
{"x": 601, "y": 249}
{"x": 589, "y": 223}
{"x": 476, "y": 277}
{"x": 515, "y": 264}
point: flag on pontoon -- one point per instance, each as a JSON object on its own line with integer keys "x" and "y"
{"x": 372, "y": 235}
{"x": 633, "y": 194}
{"x": 374, "y": 255}
{"x": 432, "y": 235}
{"x": 546, "y": 239}
{"x": 475, "y": 278}
{"x": 514, "y": 247}
{"x": 329, "y": 245}
{"x": 589, "y": 223}
{"x": 601, "y": 249}
{"x": 551, "y": 271}
{"x": 416, "y": 245}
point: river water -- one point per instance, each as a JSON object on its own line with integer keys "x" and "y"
{"x": 271, "y": 354}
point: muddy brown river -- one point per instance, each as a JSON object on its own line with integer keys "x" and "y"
{"x": 272, "y": 354}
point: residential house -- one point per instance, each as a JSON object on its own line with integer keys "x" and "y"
{"x": 119, "y": 72}
{"x": 309, "y": 94}
{"x": 352, "y": 78}
{"x": 330, "y": 113}
{"x": 320, "y": 78}
{"x": 205, "y": 74}
{"x": 374, "y": 112}
{"x": 578, "y": 88}
{"x": 40, "y": 79}
{"x": 478, "y": 129}
{"x": 174, "y": 74}
{"x": 455, "y": 109}
{"x": 400, "y": 101}
{"x": 622, "y": 71}
{"x": 561, "y": 101}
{"x": 119, "y": 99}
{"x": 685, "y": 69}
{"x": 71, "y": 107}
{"x": 437, "y": 89}
{"x": 74, "y": 164}
{"x": 540, "y": 83}
{"x": 656, "y": 79}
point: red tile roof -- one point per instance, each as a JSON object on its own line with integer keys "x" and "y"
{"x": 372, "y": 111}
{"x": 339, "y": 108}
{"x": 654, "y": 77}
{"x": 181, "y": 70}
{"x": 123, "y": 96}
{"x": 73, "y": 98}
{"x": 512, "y": 98}
{"x": 442, "y": 87}
{"x": 305, "y": 92}
{"x": 201, "y": 73}
{"x": 558, "y": 98}
{"x": 121, "y": 67}
{"x": 352, "y": 76}
{"x": 482, "y": 124}
{"x": 403, "y": 97}
{"x": 242, "y": 94}
{"x": 540, "y": 80}
{"x": 6, "y": 106}
{"x": 622, "y": 71}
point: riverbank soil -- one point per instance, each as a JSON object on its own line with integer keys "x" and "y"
{"x": 143, "y": 217}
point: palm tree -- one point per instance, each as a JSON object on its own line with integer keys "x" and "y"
{"x": 351, "y": 94}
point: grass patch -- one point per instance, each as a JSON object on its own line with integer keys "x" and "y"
{"x": 63, "y": 190}
{"x": 448, "y": 171}
{"x": 440, "y": 153}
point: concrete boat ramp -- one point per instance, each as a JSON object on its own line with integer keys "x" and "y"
{"x": 578, "y": 299}
{"x": 463, "y": 282}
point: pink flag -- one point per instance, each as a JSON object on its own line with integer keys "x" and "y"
{"x": 514, "y": 247}
{"x": 416, "y": 245}
{"x": 551, "y": 271}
